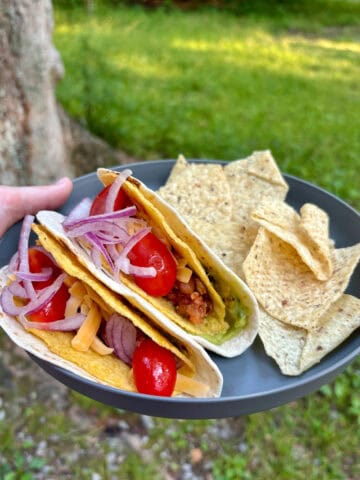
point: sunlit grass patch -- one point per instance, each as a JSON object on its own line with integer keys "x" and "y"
{"x": 217, "y": 86}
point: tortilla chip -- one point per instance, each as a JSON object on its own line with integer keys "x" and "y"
{"x": 253, "y": 180}
{"x": 262, "y": 164}
{"x": 295, "y": 350}
{"x": 228, "y": 233}
{"x": 282, "y": 342}
{"x": 177, "y": 169}
{"x": 229, "y": 240}
{"x": 286, "y": 288}
{"x": 308, "y": 234}
{"x": 315, "y": 224}
{"x": 198, "y": 190}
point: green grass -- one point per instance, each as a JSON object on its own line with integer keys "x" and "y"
{"x": 213, "y": 84}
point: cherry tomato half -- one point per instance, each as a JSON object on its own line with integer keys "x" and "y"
{"x": 38, "y": 260}
{"x": 152, "y": 252}
{"x": 98, "y": 205}
{"x": 154, "y": 369}
{"x": 54, "y": 309}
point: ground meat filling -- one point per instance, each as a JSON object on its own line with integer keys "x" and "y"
{"x": 191, "y": 299}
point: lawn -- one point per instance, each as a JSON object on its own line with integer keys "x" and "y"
{"x": 214, "y": 84}
{"x": 210, "y": 84}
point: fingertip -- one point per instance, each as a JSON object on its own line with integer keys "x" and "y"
{"x": 63, "y": 181}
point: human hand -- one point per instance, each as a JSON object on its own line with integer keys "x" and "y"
{"x": 16, "y": 202}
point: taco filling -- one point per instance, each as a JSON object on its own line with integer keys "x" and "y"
{"x": 84, "y": 323}
{"x": 120, "y": 235}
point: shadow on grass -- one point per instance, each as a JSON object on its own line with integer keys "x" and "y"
{"x": 326, "y": 12}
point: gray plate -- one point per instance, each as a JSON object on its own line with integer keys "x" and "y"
{"x": 252, "y": 382}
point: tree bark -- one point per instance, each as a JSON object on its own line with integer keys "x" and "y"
{"x": 32, "y": 146}
{"x": 38, "y": 141}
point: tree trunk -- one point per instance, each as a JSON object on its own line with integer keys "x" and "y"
{"x": 38, "y": 142}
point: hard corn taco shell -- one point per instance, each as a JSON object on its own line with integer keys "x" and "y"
{"x": 232, "y": 325}
{"x": 55, "y": 347}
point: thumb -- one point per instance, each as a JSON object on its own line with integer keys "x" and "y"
{"x": 16, "y": 202}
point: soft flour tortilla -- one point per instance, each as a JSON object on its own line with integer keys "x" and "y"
{"x": 296, "y": 349}
{"x": 234, "y": 305}
{"x": 55, "y": 347}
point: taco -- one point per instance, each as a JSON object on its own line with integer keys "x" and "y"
{"x": 139, "y": 246}
{"x": 55, "y": 309}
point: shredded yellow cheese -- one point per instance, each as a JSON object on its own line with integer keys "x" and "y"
{"x": 190, "y": 386}
{"x": 72, "y": 306}
{"x": 69, "y": 281}
{"x": 78, "y": 290}
{"x": 183, "y": 274}
{"x": 86, "y": 304}
{"x": 88, "y": 330}
{"x": 99, "y": 347}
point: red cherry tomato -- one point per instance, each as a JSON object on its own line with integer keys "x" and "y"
{"x": 154, "y": 369}
{"x": 98, "y": 205}
{"x": 152, "y": 252}
{"x": 38, "y": 260}
{"x": 54, "y": 309}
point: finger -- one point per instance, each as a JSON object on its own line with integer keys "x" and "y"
{"x": 47, "y": 197}
{"x": 16, "y": 202}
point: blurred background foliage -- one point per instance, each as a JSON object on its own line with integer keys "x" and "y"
{"x": 220, "y": 82}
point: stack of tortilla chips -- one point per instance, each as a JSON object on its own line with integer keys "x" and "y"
{"x": 286, "y": 258}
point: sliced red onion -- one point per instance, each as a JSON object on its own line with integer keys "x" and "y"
{"x": 108, "y": 331}
{"x": 7, "y": 303}
{"x": 64, "y": 325}
{"x": 94, "y": 219}
{"x": 108, "y": 229}
{"x": 14, "y": 263}
{"x": 122, "y": 337}
{"x": 109, "y": 239}
{"x": 114, "y": 189}
{"x": 81, "y": 210}
{"x": 97, "y": 250}
{"x": 122, "y": 262}
{"x": 42, "y": 276}
{"x": 24, "y": 243}
{"x": 23, "y": 253}
{"x": 145, "y": 272}
{"x": 17, "y": 290}
{"x": 43, "y": 297}
{"x": 112, "y": 229}
{"x": 45, "y": 252}
{"x": 128, "y": 339}
{"x": 113, "y": 251}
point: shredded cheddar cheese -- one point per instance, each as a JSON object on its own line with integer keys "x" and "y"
{"x": 190, "y": 386}
{"x": 99, "y": 347}
{"x": 183, "y": 274}
{"x": 88, "y": 330}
